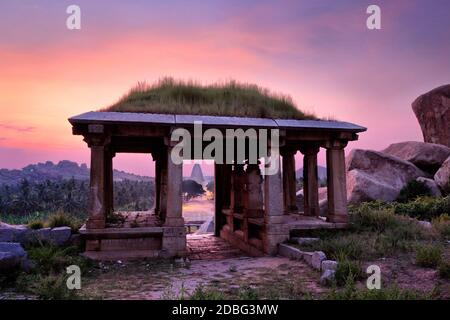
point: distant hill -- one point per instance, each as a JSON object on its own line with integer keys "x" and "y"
{"x": 64, "y": 169}
{"x": 321, "y": 172}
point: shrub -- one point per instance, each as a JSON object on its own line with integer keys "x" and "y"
{"x": 343, "y": 246}
{"x": 424, "y": 207}
{"x": 350, "y": 292}
{"x": 444, "y": 270}
{"x": 412, "y": 190}
{"x": 442, "y": 225}
{"x": 428, "y": 256}
{"x": 202, "y": 293}
{"x": 347, "y": 271}
{"x": 61, "y": 219}
{"x": 36, "y": 224}
{"x": 53, "y": 259}
{"x": 374, "y": 219}
{"x": 49, "y": 287}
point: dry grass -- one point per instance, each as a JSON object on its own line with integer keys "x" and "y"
{"x": 231, "y": 98}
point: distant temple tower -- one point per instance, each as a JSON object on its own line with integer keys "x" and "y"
{"x": 197, "y": 174}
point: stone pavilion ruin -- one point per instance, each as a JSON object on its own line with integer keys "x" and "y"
{"x": 252, "y": 212}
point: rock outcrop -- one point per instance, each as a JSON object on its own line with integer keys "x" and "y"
{"x": 426, "y": 156}
{"x": 23, "y": 235}
{"x": 373, "y": 175}
{"x": 442, "y": 176}
{"x": 431, "y": 185}
{"x": 432, "y": 110}
{"x": 12, "y": 256}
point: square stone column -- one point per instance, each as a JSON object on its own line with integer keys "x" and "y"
{"x": 289, "y": 181}
{"x": 310, "y": 180}
{"x": 99, "y": 201}
{"x": 275, "y": 231}
{"x": 174, "y": 234}
{"x": 222, "y": 194}
{"x": 109, "y": 182}
{"x": 157, "y": 183}
{"x": 162, "y": 168}
{"x": 336, "y": 179}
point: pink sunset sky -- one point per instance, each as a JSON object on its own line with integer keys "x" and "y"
{"x": 319, "y": 52}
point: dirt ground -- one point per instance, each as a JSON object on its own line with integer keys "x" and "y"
{"x": 164, "y": 280}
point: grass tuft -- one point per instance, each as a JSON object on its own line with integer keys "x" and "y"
{"x": 62, "y": 219}
{"x": 428, "y": 256}
{"x": 230, "y": 98}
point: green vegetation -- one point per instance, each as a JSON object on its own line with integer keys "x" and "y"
{"x": 374, "y": 233}
{"x": 425, "y": 208}
{"x": 351, "y": 292}
{"x": 62, "y": 219}
{"x": 347, "y": 269}
{"x": 220, "y": 99}
{"x": 444, "y": 270}
{"x": 36, "y": 224}
{"x": 412, "y": 190}
{"x": 428, "y": 255}
{"x": 32, "y": 201}
{"x": 442, "y": 225}
{"x": 47, "y": 279}
{"x": 422, "y": 208}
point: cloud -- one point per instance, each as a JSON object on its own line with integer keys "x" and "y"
{"x": 17, "y": 128}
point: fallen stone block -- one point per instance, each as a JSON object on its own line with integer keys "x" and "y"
{"x": 327, "y": 277}
{"x": 317, "y": 258}
{"x": 305, "y": 240}
{"x": 307, "y": 257}
{"x": 329, "y": 265}
{"x": 289, "y": 252}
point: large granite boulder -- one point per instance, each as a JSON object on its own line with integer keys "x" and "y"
{"x": 426, "y": 156}
{"x": 432, "y": 109}
{"x": 431, "y": 185}
{"x": 442, "y": 176}
{"x": 373, "y": 175}
{"x": 322, "y": 200}
{"x": 12, "y": 256}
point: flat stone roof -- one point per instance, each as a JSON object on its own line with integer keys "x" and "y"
{"x": 101, "y": 117}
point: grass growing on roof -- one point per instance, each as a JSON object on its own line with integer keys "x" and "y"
{"x": 219, "y": 99}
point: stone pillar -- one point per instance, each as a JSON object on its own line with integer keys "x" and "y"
{"x": 99, "y": 180}
{"x": 157, "y": 161}
{"x": 254, "y": 204}
{"x": 109, "y": 182}
{"x": 174, "y": 234}
{"x": 337, "y": 188}
{"x": 238, "y": 184}
{"x": 162, "y": 186}
{"x": 289, "y": 181}
{"x": 275, "y": 231}
{"x": 310, "y": 180}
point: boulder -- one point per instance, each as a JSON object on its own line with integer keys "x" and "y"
{"x": 426, "y": 156}
{"x": 432, "y": 185}
{"x": 60, "y": 236}
{"x": 12, "y": 256}
{"x": 12, "y": 233}
{"x": 432, "y": 110}
{"x": 322, "y": 197}
{"x": 442, "y": 176}
{"x": 373, "y": 175}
